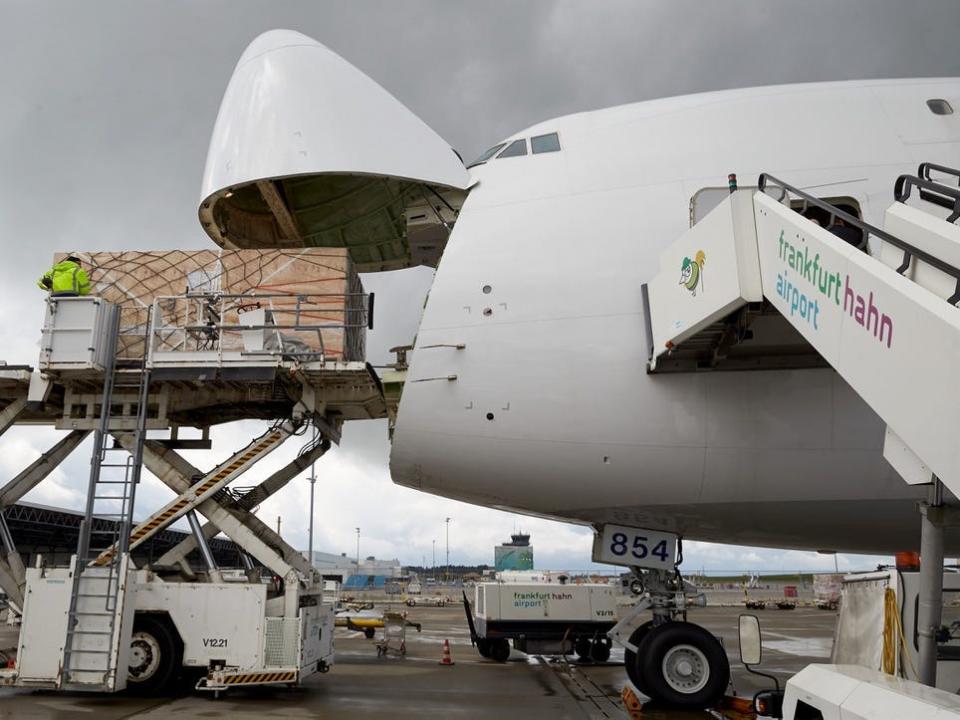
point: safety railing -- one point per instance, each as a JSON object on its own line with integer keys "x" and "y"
{"x": 931, "y": 189}
{"x": 224, "y": 328}
{"x": 909, "y": 251}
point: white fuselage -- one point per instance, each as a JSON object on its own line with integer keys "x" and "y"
{"x": 551, "y": 411}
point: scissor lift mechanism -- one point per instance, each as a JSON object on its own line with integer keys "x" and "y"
{"x": 292, "y": 389}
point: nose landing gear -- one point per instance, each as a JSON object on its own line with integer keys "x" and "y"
{"x": 672, "y": 661}
{"x": 683, "y": 665}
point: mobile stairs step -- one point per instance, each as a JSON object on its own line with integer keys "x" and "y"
{"x": 882, "y": 314}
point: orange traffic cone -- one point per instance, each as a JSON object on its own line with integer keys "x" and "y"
{"x": 445, "y": 658}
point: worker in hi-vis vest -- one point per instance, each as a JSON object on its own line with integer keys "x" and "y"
{"x": 66, "y": 279}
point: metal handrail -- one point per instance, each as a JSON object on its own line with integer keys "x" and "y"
{"x": 909, "y": 251}
{"x": 925, "y": 167}
{"x": 930, "y": 190}
{"x": 204, "y": 318}
{"x": 367, "y": 297}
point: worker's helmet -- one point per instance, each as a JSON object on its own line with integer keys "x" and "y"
{"x": 73, "y": 258}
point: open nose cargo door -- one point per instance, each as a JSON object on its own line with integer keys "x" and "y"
{"x": 307, "y": 151}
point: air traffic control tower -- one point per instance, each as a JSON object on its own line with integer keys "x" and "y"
{"x": 514, "y": 555}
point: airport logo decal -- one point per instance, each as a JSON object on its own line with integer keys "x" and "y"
{"x": 827, "y": 286}
{"x": 691, "y": 272}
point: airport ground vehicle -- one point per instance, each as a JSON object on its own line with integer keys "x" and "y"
{"x": 838, "y": 691}
{"x": 879, "y": 625}
{"x": 771, "y": 244}
{"x": 426, "y": 601}
{"x": 541, "y": 618}
{"x": 366, "y": 621}
{"x": 103, "y": 624}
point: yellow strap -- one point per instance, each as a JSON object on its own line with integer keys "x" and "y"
{"x": 891, "y": 623}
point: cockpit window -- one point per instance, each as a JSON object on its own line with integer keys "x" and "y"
{"x": 517, "y": 148}
{"x": 514, "y": 149}
{"x": 487, "y": 155}
{"x": 545, "y": 143}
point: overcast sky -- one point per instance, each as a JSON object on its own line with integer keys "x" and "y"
{"x": 105, "y": 115}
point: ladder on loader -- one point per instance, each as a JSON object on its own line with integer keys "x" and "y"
{"x": 877, "y": 313}
{"x": 94, "y": 650}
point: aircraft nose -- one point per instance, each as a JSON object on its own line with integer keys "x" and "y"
{"x": 309, "y": 151}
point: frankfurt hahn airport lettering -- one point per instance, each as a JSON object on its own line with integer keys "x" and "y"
{"x": 827, "y": 287}
{"x": 534, "y": 599}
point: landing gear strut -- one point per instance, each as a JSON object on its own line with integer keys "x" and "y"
{"x": 667, "y": 658}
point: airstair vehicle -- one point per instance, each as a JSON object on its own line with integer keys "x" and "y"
{"x": 774, "y": 278}
{"x": 757, "y": 285}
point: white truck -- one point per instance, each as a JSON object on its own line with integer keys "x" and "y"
{"x": 542, "y": 618}
{"x": 826, "y": 590}
{"x": 873, "y": 602}
{"x": 231, "y": 633}
{"x": 842, "y": 692}
{"x": 103, "y": 624}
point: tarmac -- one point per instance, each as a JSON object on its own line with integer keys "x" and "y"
{"x": 361, "y": 685}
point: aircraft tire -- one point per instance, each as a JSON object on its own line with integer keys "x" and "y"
{"x": 582, "y": 648}
{"x": 500, "y": 650}
{"x": 683, "y": 665}
{"x": 630, "y": 662}
{"x": 483, "y": 647}
{"x": 369, "y": 633}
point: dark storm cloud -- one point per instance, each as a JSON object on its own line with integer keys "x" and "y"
{"x": 106, "y": 107}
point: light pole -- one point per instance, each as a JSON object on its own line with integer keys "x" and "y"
{"x": 358, "y": 551}
{"x": 448, "y": 551}
{"x": 433, "y": 566}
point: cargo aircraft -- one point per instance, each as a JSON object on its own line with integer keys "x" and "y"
{"x": 533, "y": 384}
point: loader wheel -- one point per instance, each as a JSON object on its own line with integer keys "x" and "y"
{"x": 630, "y": 658}
{"x": 600, "y": 651}
{"x": 500, "y": 650}
{"x": 155, "y": 656}
{"x": 483, "y": 647}
{"x": 582, "y": 648}
{"x": 369, "y": 633}
{"x": 683, "y": 666}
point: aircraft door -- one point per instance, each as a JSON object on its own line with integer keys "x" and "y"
{"x": 307, "y": 151}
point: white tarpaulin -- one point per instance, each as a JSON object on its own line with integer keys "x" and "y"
{"x": 858, "y": 639}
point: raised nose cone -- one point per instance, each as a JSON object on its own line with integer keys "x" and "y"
{"x": 308, "y": 151}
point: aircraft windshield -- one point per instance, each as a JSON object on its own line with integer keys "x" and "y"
{"x": 487, "y": 155}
